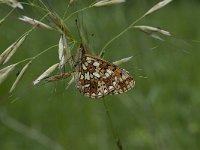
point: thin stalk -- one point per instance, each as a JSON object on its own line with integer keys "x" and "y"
{"x": 115, "y": 135}
{"x": 65, "y": 13}
{"x": 118, "y": 35}
{"x": 33, "y": 5}
{"x": 36, "y": 56}
{"x": 80, "y": 10}
{"x": 47, "y": 9}
{"x": 8, "y": 14}
{"x": 77, "y": 12}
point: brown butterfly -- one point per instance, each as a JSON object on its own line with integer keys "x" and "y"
{"x": 95, "y": 77}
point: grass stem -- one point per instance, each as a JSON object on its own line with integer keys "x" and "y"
{"x": 118, "y": 35}
{"x": 115, "y": 135}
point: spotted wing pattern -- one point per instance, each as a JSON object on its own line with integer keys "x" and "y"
{"x": 96, "y": 78}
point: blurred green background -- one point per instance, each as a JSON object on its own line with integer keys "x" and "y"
{"x": 162, "y": 112}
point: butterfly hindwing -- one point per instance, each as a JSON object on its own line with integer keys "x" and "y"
{"x": 123, "y": 80}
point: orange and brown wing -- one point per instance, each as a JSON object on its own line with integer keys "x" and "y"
{"x": 96, "y": 78}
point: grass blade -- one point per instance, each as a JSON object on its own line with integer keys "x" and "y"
{"x": 28, "y": 132}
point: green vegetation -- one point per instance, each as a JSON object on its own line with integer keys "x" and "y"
{"x": 160, "y": 113}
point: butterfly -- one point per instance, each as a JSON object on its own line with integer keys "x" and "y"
{"x": 96, "y": 77}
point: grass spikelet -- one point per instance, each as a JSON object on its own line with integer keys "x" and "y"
{"x": 157, "y": 6}
{"x": 10, "y": 51}
{"x": 4, "y": 73}
{"x": 35, "y": 22}
{"x": 107, "y": 2}
{"x": 61, "y": 26}
{"x": 124, "y": 60}
{"x": 153, "y": 32}
{"x": 63, "y": 51}
{"x": 19, "y": 76}
{"x": 46, "y": 74}
{"x": 13, "y": 3}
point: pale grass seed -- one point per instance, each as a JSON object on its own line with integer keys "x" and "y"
{"x": 153, "y": 31}
{"x": 5, "y": 72}
{"x": 107, "y": 2}
{"x": 13, "y": 3}
{"x": 64, "y": 52}
{"x": 20, "y": 76}
{"x": 121, "y": 61}
{"x": 35, "y": 22}
{"x": 10, "y": 51}
{"x": 46, "y": 73}
{"x": 157, "y": 6}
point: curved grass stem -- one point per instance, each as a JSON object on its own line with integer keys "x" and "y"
{"x": 115, "y": 135}
{"x": 118, "y": 35}
{"x": 80, "y": 10}
{"x": 33, "y": 5}
{"x": 10, "y": 12}
{"x": 36, "y": 56}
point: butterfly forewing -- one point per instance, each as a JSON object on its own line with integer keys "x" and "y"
{"x": 96, "y": 77}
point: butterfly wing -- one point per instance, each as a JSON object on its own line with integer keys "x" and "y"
{"x": 96, "y": 78}
{"x": 123, "y": 81}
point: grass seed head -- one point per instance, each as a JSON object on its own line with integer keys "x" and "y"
{"x": 107, "y": 2}
{"x": 121, "y": 61}
{"x": 153, "y": 31}
{"x": 13, "y": 3}
{"x": 63, "y": 51}
{"x": 20, "y": 76}
{"x": 46, "y": 73}
{"x": 10, "y": 51}
{"x": 157, "y": 6}
{"x": 35, "y": 22}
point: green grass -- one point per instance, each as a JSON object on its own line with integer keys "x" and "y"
{"x": 160, "y": 113}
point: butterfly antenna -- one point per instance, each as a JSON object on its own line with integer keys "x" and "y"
{"x": 78, "y": 28}
{"x": 82, "y": 45}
